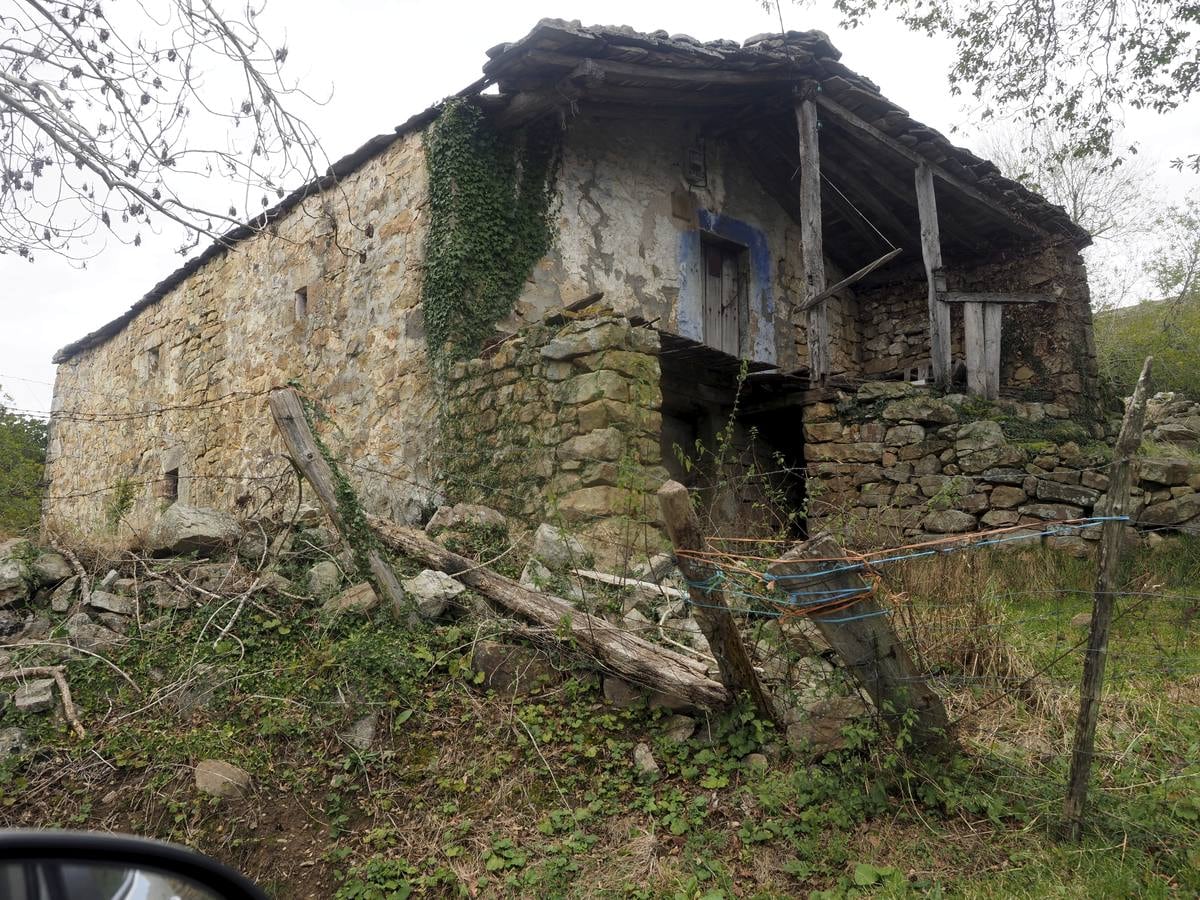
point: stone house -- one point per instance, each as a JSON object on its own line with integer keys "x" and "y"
{"x": 736, "y": 229}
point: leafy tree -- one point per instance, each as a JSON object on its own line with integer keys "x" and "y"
{"x": 22, "y": 456}
{"x": 1111, "y": 200}
{"x": 1167, "y": 328}
{"x": 1074, "y": 63}
{"x": 118, "y": 120}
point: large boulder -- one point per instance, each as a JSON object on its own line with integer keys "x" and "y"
{"x": 557, "y": 549}
{"x": 324, "y": 578}
{"x": 88, "y": 635}
{"x": 510, "y": 668}
{"x": 222, "y": 779}
{"x": 51, "y": 567}
{"x": 1166, "y": 471}
{"x": 922, "y": 410}
{"x": 466, "y": 515}
{"x": 983, "y": 434}
{"x": 948, "y": 521}
{"x": 432, "y": 591}
{"x": 1171, "y": 512}
{"x": 356, "y": 601}
{"x": 184, "y": 529}
{"x": 16, "y": 578}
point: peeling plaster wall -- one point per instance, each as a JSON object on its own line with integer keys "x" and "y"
{"x": 630, "y": 225}
{"x": 230, "y": 332}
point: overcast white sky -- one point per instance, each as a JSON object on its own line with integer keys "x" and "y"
{"x": 387, "y": 59}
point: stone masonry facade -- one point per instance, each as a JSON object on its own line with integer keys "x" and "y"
{"x": 561, "y": 423}
{"x": 892, "y": 463}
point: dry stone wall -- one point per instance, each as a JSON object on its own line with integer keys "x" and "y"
{"x": 895, "y": 463}
{"x": 561, "y": 424}
{"x": 1047, "y": 351}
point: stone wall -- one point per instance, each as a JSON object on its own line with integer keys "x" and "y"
{"x": 561, "y": 424}
{"x": 1047, "y": 351}
{"x": 893, "y": 463}
{"x": 183, "y": 386}
{"x": 630, "y": 225}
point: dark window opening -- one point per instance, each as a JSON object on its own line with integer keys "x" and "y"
{"x": 740, "y": 449}
{"x": 170, "y": 486}
{"x": 724, "y": 277}
{"x": 301, "y": 304}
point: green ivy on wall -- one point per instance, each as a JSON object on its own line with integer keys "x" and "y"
{"x": 491, "y": 220}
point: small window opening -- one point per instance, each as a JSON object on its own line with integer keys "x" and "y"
{"x": 301, "y": 304}
{"x": 170, "y": 485}
{"x": 152, "y": 361}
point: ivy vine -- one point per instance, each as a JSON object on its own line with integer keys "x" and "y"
{"x": 491, "y": 220}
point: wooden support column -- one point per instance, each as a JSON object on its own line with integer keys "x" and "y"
{"x": 859, "y": 630}
{"x": 931, "y": 252}
{"x": 973, "y": 344}
{"x": 288, "y": 412}
{"x": 993, "y": 318}
{"x": 1111, "y": 536}
{"x": 812, "y": 250}
{"x": 708, "y": 603}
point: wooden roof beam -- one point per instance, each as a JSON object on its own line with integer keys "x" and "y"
{"x": 839, "y": 112}
{"x": 620, "y": 72}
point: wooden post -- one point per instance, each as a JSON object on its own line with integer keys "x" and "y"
{"x": 973, "y": 344}
{"x": 288, "y": 413}
{"x": 931, "y": 252}
{"x": 812, "y": 251}
{"x": 993, "y": 318}
{"x": 862, "y": 635}
{"x": 1111, "y": 539}
{"x": 617, "y": 651}
{"x": 708, "y": 603}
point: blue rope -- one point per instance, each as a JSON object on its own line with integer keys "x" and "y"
{"x": 821, "y": 597}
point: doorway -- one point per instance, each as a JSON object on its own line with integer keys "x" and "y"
{"x": 726, "y": 294}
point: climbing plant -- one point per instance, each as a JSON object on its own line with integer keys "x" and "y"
{"x": 491, "y": 219}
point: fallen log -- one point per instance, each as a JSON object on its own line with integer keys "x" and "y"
{"x": 636, "y": 660}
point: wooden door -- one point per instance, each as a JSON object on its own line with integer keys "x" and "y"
{"x": 724, "y": 312}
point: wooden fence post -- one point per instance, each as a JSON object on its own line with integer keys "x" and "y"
{"x": 860, "y": 632}
{"x": 1111, "y": 540}
{"x": 708, "y": 603}
{"x": 288, "y": 412}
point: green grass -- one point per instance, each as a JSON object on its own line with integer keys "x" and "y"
{"x": 464, "y": 793}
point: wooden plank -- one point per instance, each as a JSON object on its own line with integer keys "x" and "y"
{"x": 993, "y": 297}
{"x": 836, "y": 109}
{"x": 852, "y": 278}
{"x": 862, "y": 635}
{"x": 973, "y": 348}
{"x": 625, "y": 72}
{"x": 993, "y": 319}
{"x": 812, "y": 249}
{"x": 931, "y": 252}
{"x": 730, "y": 335}
{"x": 628, "y": 656}
{"x": 1092, "y": 689}
{"x": 288, "y": 412}
{"x": 708, "y": 603}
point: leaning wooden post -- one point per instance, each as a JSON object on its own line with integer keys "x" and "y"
{"x": 1111, "y": 540}
{"x": 931, "y": 252}
{"x": 812, "y": 251}
{"x": 708, "y": 601}
{"x": 288, "y": 413}
{"x": 849, "y": 617}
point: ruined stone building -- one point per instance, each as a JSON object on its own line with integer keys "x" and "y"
{"x": 727, "y": 221}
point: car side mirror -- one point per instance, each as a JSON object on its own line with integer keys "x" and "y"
{"x": 74, "y": 865}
